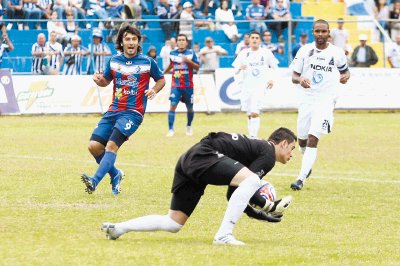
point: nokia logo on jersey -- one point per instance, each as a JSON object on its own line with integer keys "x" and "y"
{"x": 323, "y": 68}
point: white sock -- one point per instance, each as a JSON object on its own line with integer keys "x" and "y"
{"x": 149, "y": 223}
{"x": 309, "y": 157}
{"x": 254, "y": 126}
{"x": 237, "y": 203}
{"x": 302, "y": 149}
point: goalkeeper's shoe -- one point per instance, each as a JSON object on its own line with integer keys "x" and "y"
{"x": 297, "y": 185}
{"x": 89, "y": 183}
{"x": 227, "y": 239}
{"x": 281, "y": 205}
{"x": 116, "y": 182}
{"x": 110, "y": 230}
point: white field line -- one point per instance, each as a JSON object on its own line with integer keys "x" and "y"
{"x": 284, "y": 174}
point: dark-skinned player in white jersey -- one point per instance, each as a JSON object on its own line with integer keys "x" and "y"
{"x": 219, "y": 159}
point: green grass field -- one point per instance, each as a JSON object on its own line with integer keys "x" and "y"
{"x": 347, "y": 214}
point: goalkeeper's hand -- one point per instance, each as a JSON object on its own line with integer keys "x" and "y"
{"x": 262, "y": 215}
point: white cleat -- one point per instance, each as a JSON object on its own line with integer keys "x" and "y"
{"x": 110, "y": 230}
{"x": 170, "y": 133}
{"x": 189, "y": 131}
{"x": 227, "y": 239}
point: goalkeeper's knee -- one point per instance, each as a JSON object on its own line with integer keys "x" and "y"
{"x": 170, "y": 225}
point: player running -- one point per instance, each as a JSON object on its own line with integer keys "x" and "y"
{"x": 130, "y": 72}
{"x": 182, "y": 62}
{"x": 253, "y": 73}
{"x": 218, "y": 159}
{"x": 318, "y": 68}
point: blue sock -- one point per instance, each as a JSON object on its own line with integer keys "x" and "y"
{"x": 113, "y": 171}
{"x": 190, "y": 116}
{"x": 105, "y": 165}
{"x": 171, "y": 119}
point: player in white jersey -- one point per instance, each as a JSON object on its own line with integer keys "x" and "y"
{"x": 55, "y": 54}
{"x": 254, "y": 74}
{"x": 319, "y": 68}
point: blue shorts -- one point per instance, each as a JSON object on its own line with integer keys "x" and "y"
{"x": 127, "y": 122}
{"x": 184, "y": 95}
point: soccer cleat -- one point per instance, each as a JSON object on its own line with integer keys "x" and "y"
{"x": 111, "y": 232}
{"x": 297, "y": 185}
{"x": 227, "y": 239}
{"x": 189, "y": 131}
{"x": 89, "y": 183}
{"x": 116, "y": 182}
{"x": 170, "y": 133}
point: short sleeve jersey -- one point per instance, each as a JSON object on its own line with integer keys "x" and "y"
{"x": 131, "y": 77}
{"x": 259, "y": 64}
{"x": 182, "y": 72}
{"x": 321, "y": 67}
{"x": 257, "y": 155}
{"x": 255, "y": 11}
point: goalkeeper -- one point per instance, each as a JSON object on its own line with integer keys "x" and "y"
{"x": 219, "y": 159}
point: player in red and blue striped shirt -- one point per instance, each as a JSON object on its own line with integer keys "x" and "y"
{"x": 130, "y": 72}
{"x": 182, "y": 62}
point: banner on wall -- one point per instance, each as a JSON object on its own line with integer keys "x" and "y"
{"x": 367, "y": 88}
{"x": 8, "y": 102}
{"x": 79, "y": 94}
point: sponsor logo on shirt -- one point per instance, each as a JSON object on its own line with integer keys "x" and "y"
{"x": 322, "y": 68}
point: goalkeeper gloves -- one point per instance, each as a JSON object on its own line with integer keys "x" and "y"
{"x": 262, "y": 215}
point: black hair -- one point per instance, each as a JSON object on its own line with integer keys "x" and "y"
{"x": 126, "y": 28}
{"x": 221, "y": 1}
{"x": 255, "y": 32}
{"x": 282, "y": 134}
{"x": 182, "y": 35}
{"x": 322, "y": 21}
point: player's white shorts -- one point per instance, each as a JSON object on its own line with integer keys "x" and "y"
{"x": 315, "y": 119}
{"x": 252, "y": 100}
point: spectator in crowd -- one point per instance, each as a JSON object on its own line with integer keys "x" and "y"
{"x": 363, "y": 55}
{"x": 279, "y": 13}
{"x": 114, "y": 8}
{"x": 6, "y": 45}
{"x": 152, "y": 52}
{"x": 303, "y": 41}
{"x": 395, "y": 25}
{"x": 133, "y": 10}
{"x": 383, "y": 14}
{"x": 273, "y": 3}
{"x": 340, "y": 36}
{"x": 97, "y": 9}
{"x": 165, "y": 50}
{"x": 39, "y": 53}
{"x": 186, "y": 24}
{"x": 60, "y": 7}
{"x": 15, "y": 11}
{"x": 31, "y": 11}
{"x": 70, "y": 25}
{"x": 55, "y": 54}
{"x": 98, "y": 52}
{"x": 210, "y": 54}
{"x": 196, "y": 50}
{"x": 255, "y": 13}
{"x": 237, "y": 7}
{"x": 226, "y": 21}
{"x": 393, "y": 53}
{"x": 267, "y": 43}
{"x": 79, "y": 7}
{"x": 46, "y": 7}
{"x": 57, "y": 26}
{"x": 243, "y": 44}
{"x": 74, "y": 54}
{"x": 166, "y": 11}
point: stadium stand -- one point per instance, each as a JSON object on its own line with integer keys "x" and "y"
{"x": 20, "y": 59}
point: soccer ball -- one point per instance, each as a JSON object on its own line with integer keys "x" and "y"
{"x": 267, "y": 191}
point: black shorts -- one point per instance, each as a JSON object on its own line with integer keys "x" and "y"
{"x": 188, "y": 194}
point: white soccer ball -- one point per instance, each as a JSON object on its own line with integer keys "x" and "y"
{"x": 267, "y": 191}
